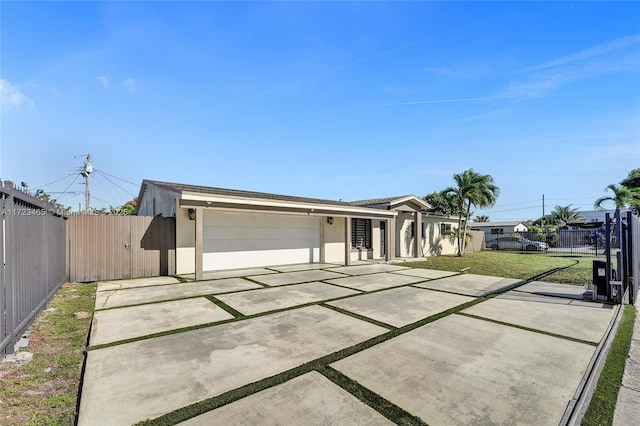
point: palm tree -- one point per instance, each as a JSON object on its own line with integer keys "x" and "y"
{"x": 632, "y": 180}
{"x": 562, "y": 215}
{"x": 621, "y": 198}
{"x": 473, "y": 189}
{"x": 481, "y": 218}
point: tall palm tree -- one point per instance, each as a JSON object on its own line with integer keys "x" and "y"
{"x": 481, "y": 218}
{"x": 621, "y": 198}
{"x": 562, "y": 215}
{"x": 472, "y": 189}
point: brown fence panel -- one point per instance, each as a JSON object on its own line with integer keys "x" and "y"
{"x": 33, "y": 254}
{"x": 477, "y": 241}
{"x": 105, "y": 247}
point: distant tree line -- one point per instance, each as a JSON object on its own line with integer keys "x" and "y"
{"x": 127, "y": 209}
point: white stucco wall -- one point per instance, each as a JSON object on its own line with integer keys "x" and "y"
{"x": 435, "y": 243}
{"x": 375, "y": 238}
{"x": 334, "y": 241}
{"x": 185, "y": 243}
{"x": 404, "y": 241}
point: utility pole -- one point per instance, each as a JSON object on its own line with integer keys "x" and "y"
{"x": 543, "y": 212}
{"x": 86, "y": 171}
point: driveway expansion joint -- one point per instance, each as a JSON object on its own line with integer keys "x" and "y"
{"x": 534, "y": 330}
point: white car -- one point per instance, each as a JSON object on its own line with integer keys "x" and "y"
{"x": 516, "y": 243}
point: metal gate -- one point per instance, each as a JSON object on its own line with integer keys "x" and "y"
{"x": 623, "y": 256}
{"x": 103, "y": 247}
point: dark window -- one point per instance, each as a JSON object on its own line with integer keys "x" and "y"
{"x": 445, "y": 227}
{"x": 361, "y": 233}
{"x": 424, "y": 229}
{"x": 497, "y": 231}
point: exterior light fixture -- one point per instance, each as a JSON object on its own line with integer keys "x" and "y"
{"x": 192, "y": 214}
{"x": 330, "y": 220}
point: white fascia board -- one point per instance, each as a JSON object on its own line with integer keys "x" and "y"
{"x": 313, "y": 208}
{"x": 412, "y": 198}
{"x": 441, "y": 217}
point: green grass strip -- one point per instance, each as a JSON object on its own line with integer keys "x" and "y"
{"x": 360, "y": 317}
{"x": 603, "y": 402}
{"x": 535, "y": 330}
{"x": 383, "y": 406}
{"x": 220, "y": 304}
{"x": 256, "y": 282}
{"x": 161, "y": 334}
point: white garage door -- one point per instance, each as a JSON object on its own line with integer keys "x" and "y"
{"x": 234, "y": 240}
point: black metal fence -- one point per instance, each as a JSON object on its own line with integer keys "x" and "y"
{"x": 580, "y": 242}
{"x": 32, "y": 248}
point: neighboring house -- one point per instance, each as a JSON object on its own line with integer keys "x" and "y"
{"x": 411, "y": 215}
{"x": 498, "y": 229}
{"x": 219, "y": 228}
{"x": 592, "y": 219}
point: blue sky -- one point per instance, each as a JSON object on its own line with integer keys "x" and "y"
{"x": 336, "y": 100}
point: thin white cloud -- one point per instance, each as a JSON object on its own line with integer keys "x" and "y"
{"x": 500, "y": 112}
{"x": 104, "y": 81}
{"x": 614, "y": 150}
{"x": 534, "y": 88}
{"x": 597, "y": 50}
{"x": 12, "y": 97}
{"x": 129, "y": 84}
{"x": 468, "y": 70}
{"x": 543, "y": 83}
{"x": 442, "y": 101}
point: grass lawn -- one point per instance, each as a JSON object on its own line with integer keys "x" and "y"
{"x": 44, "y": 391}
{"x": 605, "y": 396}
{"x": 513, "y": 265}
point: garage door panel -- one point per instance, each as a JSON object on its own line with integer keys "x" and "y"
{"x": 248, "y": 259}
{"x": 234, "y": 240}
{"x": 217, "y": 246}
{"x": 256, "y": 220}
{"x": 257, "y": 233}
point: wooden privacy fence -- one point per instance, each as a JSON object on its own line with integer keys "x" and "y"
{"x": 116, "y": 247}
{"x": 32, "y": 248}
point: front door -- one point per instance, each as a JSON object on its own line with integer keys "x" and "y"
{"x": 383, "y": 238}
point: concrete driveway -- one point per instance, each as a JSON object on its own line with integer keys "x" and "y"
{"x": 326, "y": 344}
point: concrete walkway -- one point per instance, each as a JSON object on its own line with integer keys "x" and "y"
{"x": 628, "y": 404}
{"x": 296, "y": 344}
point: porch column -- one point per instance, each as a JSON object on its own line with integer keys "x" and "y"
{"x": 417, "y": 237}
{"x": 323, "y": 223}
{"x": 199, "y": 241}
{"x": 347, "y": 241}
{"x": 391, "y": 239}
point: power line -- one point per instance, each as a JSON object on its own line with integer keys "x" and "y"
{"x": 109, "y": 193}
{"x": 104, "y": 175}
{"x": 124, "y": 180}
{"x": 65, "y": 190}
{"x": 103, "y": 201}
{"x": 55, "y": 181}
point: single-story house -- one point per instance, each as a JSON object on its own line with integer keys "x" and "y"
{"x": 218, "y": 228}
{"x": 498, "y": 229}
